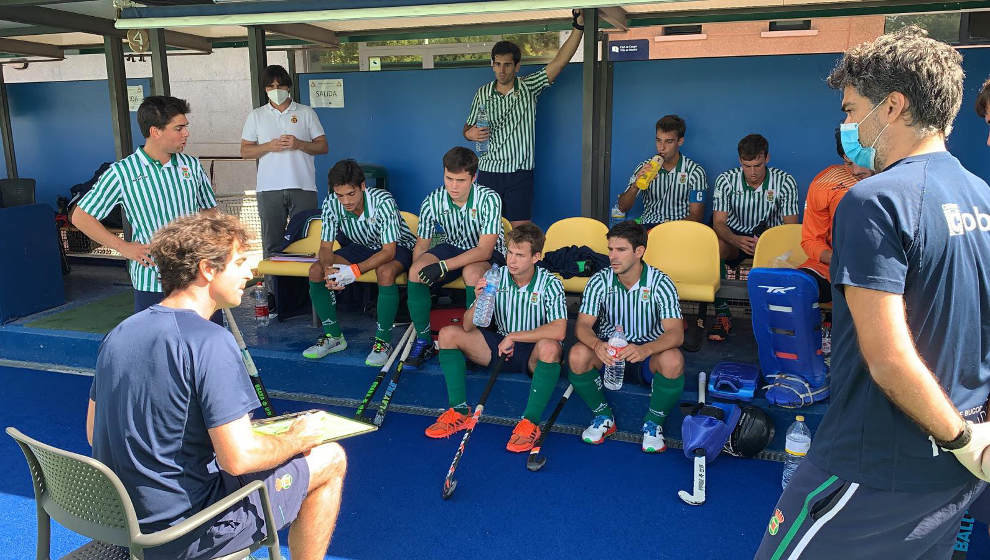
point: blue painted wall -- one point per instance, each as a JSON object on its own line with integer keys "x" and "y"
{"x": 407, "y": 119}
{"x": 63, "y": 132}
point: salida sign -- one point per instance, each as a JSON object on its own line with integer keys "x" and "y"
{"x": 326, "y": 93}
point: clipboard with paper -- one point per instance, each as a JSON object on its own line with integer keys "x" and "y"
{"x": 336, "y": 427}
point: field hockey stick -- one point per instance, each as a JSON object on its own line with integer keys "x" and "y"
{"x": 259, "y": 387}
{"x": 449, "y": 484}
{"x": 536, "y": 460}
{"x": 394, "y": 382}
{"x": 698, "y": 496}
{"x": 358, "y": 415}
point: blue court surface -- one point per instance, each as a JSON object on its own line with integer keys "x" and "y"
{"x": 587, "y": 502}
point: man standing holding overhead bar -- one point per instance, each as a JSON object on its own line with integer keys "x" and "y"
{"x": 284, "y": 136}
{"x": 379, "y": 239}
{"x": 677, "y": 188}
{"x": 169, "y": 411}
{"x": 747, "y": 201}
{"x": 509, "y": 104}
{"x": 154, "y": 185}
{"x": 470, "y": 217}
{"x": 903, "y": 449}
{"x": 642, "y": 301}
{"x": 531, "y": 320}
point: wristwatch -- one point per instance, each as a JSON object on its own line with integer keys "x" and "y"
{"x": 960, "y": 441}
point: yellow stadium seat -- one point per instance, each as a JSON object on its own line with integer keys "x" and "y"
{"x": 576, "y": 231}
{"x": 687, "y": 252}
{"x": 782, "y": 241}
{"x": 459, "y": 283}
{"x": 309, "y": 245}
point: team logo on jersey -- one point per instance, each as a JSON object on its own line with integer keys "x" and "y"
{"x": 645, "y": 294}
{"x": 184, "y": 170}
{"x": 775, "y": 522}
{"x": 474, "y": 213}
{"x": 534, "y": 297}
{"x": 682, "y": 178}
{"x": 770, "y": 195}
{"x": 294, "y": 119}
{"x": 283, "y": 482}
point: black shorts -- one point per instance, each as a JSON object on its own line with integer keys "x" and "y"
{"x": 516, "y": 190}
{"x": 824, "y": 287}
{"x": 741, "y": 256}
{"x": 355, "y": 253}
{"x": 521, "y": 351}
{"x": 446, "y": 251}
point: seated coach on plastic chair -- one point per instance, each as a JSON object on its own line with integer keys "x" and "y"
{"x": 169, "y": 410}
{"x": 380, "y": 240}
{"x": 530, "y": 320}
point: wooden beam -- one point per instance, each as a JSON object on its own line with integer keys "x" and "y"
{"x": 616, "y": 16}
{"x": 306, "y": 32}
{"x": 188, "y": 42}
{"x": 28, "y": 48}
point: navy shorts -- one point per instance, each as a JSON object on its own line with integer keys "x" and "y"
{"x": 521, "y": 351}
{"x": 355, "y": 253}
{"x": 824, "y": 287}
{"x": 516, "y": 190}
{"x": 823, "y": 516}
{"x": 244, "y": 524}
{"x": 446, "y": 251}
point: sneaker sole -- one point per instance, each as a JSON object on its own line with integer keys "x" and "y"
{"x": 519, "y": 449}
{"x": 445, "y": 435}
{"x": 604, "y": 437}
{"x": 651, "y": 450}
{"x": 339, "y": 348}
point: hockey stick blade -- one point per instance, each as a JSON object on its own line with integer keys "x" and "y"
{"x": 698, "y": 496}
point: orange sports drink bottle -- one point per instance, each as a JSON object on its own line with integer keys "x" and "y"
{"x": 649, "y": 170}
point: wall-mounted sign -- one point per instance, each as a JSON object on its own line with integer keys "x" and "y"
{"x": 326, "y": 93}
{"x": 633, "y": 49}
{"x": 135, "y": 95}
{"x": 374, "y": 63}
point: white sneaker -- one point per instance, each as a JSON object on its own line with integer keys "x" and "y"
{"x": 601, "y": 427}
{"x": 653, "y": 438}
{"x": 379, "y": 353}
{"x": 325, "y": 345}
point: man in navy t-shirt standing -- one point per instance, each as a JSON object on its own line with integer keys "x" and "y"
{"x": 168, "y": 410}
{"x": 901, "y": 452}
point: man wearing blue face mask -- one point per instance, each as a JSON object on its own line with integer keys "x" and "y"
{"x": 903, "y": 450}
{"x": 284, "y": 136}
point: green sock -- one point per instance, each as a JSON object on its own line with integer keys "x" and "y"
{"x": 545, "y": 378}
{"x": 388, "y": 306}
{"x": 589, "y": 387}
{"x": 721, "y": 304}
{"x": 454, "y": 373}
{"x": 468, "y": 296}
{"x": 666, "y": 395}
{"x": 419, "y": 309}
{"x": 325, "y": 303}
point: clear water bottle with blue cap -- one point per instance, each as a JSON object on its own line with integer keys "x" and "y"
{"x": 484, "y": 307}
{"x": 797, "y": 444}
{"x": 481, "y": 146}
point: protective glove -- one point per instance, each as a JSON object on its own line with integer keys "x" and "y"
{"x": 975, "y": 455}
{"x": 345, "y": 274}
{"x": 433, "y": 273}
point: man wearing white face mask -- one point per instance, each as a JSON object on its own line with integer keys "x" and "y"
{"x": 284, "y": 136}
{"x": 903, "y": 449}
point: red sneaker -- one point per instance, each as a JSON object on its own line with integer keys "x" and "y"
{"x": 448, "y": 424}
{"x": 523, "y": 437}
{"x": 720, "y": 330}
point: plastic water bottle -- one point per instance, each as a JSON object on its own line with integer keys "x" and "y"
{"x": 482, "y": 146}
{"x": 484, "y": 308}
{"x": 615, "y": 374}
{"x": 797, "y": 446}
{"x": 260, "y": 296}
{"x": 650, "y": 169}
{"x": 617, "y": 214}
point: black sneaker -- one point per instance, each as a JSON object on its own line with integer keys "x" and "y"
{"x": 694, "y": 333}
{"x": 421, "y": 352}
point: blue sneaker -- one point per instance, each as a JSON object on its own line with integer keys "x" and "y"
{"x": 653, "y": 438}
{"x": 421, "y": 352}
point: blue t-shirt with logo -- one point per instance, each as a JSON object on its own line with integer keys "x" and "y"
{"x": 164, "y": 377}
{"x": 921, "y": 228}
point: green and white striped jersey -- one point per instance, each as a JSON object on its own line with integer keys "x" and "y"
{"x": 748, "y": 206}
{"x": 463, "y": 226}
{"x": 639, "y": 309}
{"x": 379, "y": 224}
{"x": 152, "y": 195}
{"x": 528, "y": 307}
{"x": 670, "y": 193}
{"x": 511, "y": 122}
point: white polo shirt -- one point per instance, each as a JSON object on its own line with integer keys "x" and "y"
{"x": 290, "y": 169}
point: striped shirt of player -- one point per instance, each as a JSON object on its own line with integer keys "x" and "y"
{"x": 524, "y": 308}
{"x": 379, "y": 224}
{"x": 639, "y": 309}
{"x": 748, "y": 206}
{"x": 511, "y": 121}
{"x": 670, "y": 193}
{"x": 153, "y": 195}
{"x": 480, "y": 215}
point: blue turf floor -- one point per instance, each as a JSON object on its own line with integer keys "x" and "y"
{"x": 610, "y": 501}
